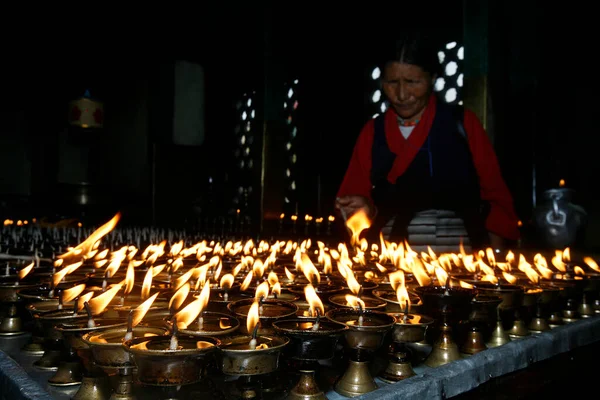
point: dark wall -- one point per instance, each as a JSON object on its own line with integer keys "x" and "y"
{"x": 543, "y": 105}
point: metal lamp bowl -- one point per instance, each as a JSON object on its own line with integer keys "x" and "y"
{"x": 372, "y": 303}
{"x": 237, "y": 358}
{"x": 366, "y": 337}
{"x": 412, "y": 330}
{"x": 393, "y": 305}
{"x": 157, "y": 365}
{"x": 212, "y": 321}
{"x": 72, "y": 332}
{"x": 266, "y": 322}
{"x": 9, "y": 291}
{"x": 512, "y": 295}
{"x": 309, "y": 344}
{"x": 112, "y": 354}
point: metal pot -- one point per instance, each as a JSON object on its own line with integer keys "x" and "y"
{"x": 559, "y": 221}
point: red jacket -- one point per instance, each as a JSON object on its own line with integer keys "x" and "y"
{"x": 502, "y": 219}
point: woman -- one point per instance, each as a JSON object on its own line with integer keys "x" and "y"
{"x": 425, "y": 171}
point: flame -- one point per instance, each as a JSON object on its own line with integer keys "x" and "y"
{"x": 465, "y": 285}
{"x": 396, "y": 279}
{"x": 101, "y": 255}
{"x": 217, "y": 272}
{"x": 247, "y": 281}
{"x": 402, "y": 295}
{"x": 190, "y": 312}
{"x": 309, "y": 269}
{"x": 88, "y": 244}
{"x": 114, "y": 265}
{"x": 224, "y": 323}
{"x": 352, "y": 283}
{"x": 157, "y": 269}
{"x": 58, "y": 276}
{"x": 489, "y": 252}
{"x": 262, "y": 291}
{"x": 179, "y": 297}
{"x": 276, "y": 289}
{"x": 420, "y": 274}
{"x": 183, "y": 279}
{"x": 578, "y": 270}
{"x": 489, "y": 278}
{"x": 566, "y": 255}
{"x": 561, "y": 183}
{"x": 147, "y": 284}
{"x": 542, "y": 266}
{"x": 590, "y": 262}
{"x": 356, "y": 224}
{"x": 272, "y": 278}
{"x": 354, "y": 302}
{"x": 129, "y": 278}
{"x": 289, "y": 275}
{"x": 226, "y": 281}
{"x": 525, "y": 267}
{"x": 99, "y": 303}
{"x": 510, "y": 257}
{"x": 442, "y": 276}
{"x": 140, "y": 311}
{"x": 252, "y": 318}
{"x": 83, "y": 299}
{"x": 23, "y": 273}
{"x": 509, "y": 278}
{"x": 71, "y": 293}
{"x": 557, "y": 261}
{"x": 176, "y": 248}
{"x": 313, "y": 301}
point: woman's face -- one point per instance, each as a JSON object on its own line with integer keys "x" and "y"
{"x": 407, "y": 88}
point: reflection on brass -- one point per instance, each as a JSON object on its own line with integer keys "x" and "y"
{"x": 539, "y": 324}
{"x": 519, "y": 329}
{"x": 399, "y": 367}
{"x": 356, "y": 380}
{"x": 306, "y": 388}
{"x": 586, "y": 309}
{"x": 555, "y": 319}
{"x": 68, "y": 373}
{"x": 49, "y": 361}
{"x": 570, "y": 313}
{"x": 444, "y": 350}
{"x": 93, "y": 388}
{"x": 474, "y": 342}
{"x": 499, "y": 335}
{"x": 236, "y": 358}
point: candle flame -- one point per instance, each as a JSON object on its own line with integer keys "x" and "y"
{"x": 179, "y": 297}
{"x": 147, "y": 284}
{"x": 140, "y": 311}
{"x": 190, "y": 312}
{"x": 313, "y": 300}
{"x": 252, "y": 318}
{"x": 99, "y": 303}
{"x": 71, "y": 293}
{"x": 23, "y": 273}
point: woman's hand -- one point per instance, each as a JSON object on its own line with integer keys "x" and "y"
{"x": 349, "y": 205}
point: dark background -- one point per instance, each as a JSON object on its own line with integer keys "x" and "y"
{"x": 538, "y": 61}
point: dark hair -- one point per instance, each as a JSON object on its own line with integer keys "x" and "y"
{"x": 413, "y": 48}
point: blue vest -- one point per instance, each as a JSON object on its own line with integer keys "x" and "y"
{"x": 442, "y": 176}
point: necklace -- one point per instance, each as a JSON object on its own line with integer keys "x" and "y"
{"x": 407, "y": 123}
